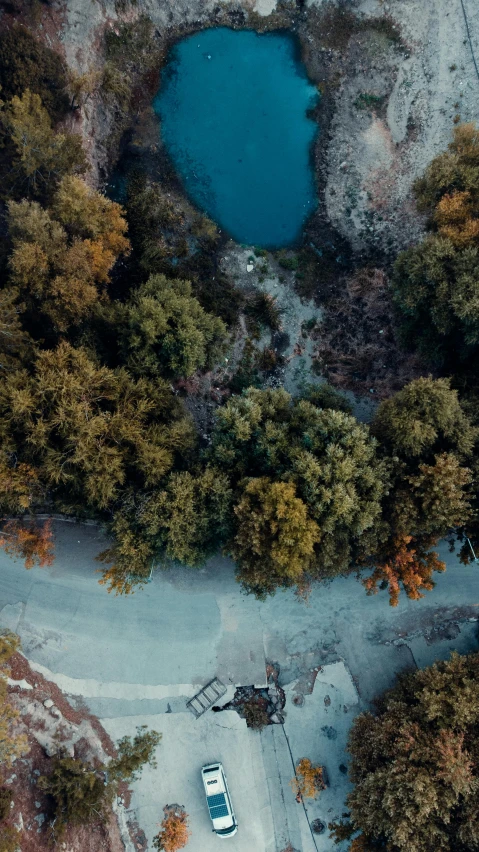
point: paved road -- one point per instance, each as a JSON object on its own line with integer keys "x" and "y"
{"x": 141, "y": 656}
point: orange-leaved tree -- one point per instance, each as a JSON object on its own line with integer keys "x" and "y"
{"x": 62, "y": 256}
{"x": 308, "y": 781}
{"x": 21, "y": 535}
{"x": 174, "y": 832}
{"x": 411, "y": 565}
{"x": 31, "y": 540}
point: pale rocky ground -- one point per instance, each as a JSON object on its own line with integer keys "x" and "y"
{"x": 375, "y": 160}
{"x": 294, "y": 341}
{"x": 371, "y": 161}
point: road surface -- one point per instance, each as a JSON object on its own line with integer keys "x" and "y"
{"x": 138, "y": 658}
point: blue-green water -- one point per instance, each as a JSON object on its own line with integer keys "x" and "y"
{"x": 233, "y": 106}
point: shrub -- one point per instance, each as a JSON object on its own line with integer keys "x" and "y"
{"x": 325, "y": 396}
{"x": 82, "y": 792}
{"x": 79, "y": 792}
{"x": 11, "y": 745}
{"x": 365, "y": 100}
{"x": 254, "y": 711}
{"x": 308, "y": 781}
{"x": 174, "y": 833}
{"x": 288, "y": 262}
{"x": 263, "y": 309}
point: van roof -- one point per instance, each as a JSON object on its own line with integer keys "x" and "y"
{"x": 217, "y": 796}
{"x": 213, "y": 780}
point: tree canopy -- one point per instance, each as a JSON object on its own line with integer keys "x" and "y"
{"x": 335, "y": 483}
{"x": 88, "y": 429}
{"x": 41, "y": 156}
{"x": 26, "y": 63}
{"x": 436, "y": 282}
{"x": 414, "y": 764}
{"x": 166, "y": 331}
{"x": 427, "y": 439}
{"x": 62, "y": 257}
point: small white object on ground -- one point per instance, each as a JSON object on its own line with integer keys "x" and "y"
{"x": 249, "y": 267}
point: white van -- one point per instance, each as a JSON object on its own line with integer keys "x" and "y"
{"x": 219, "y": 800}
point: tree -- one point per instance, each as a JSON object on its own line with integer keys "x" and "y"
{"x": 27, "y": 63}
{"x": 82, "y": 792}
{"x": 441, "y": 495}
{"x": 191, "y": 517}
{"x": 167, "y": 332}
{"x": 174, "y": 833}
{"x": 308, "y": 780}
{"x": 410, "y": 564}
{"x": 87, "y": 429}
{"x": 327, "y": 456}
{"x": 12, "y": 744}
{"x": 62, "y": 257}
{"x": 16, "y": 346}
{"x": 186, "y": 520}
{"x": 426, "y": 437}
{"x": 42, "y": 157}
{"x": 30, "y": 540}
{"x": 423, "y": 419}
{"x": 455, "y": 170}
{"x": 436, "y": 291}
{"x": 414, "y": 764}
{"x": 435, "y": 283}
{"x": 20, "y": 488}
{"x": 455, "y": 219}
{"x": 150, "y": 211}
{"x": 275, "y": 538}
{"x": 133, "y": 754}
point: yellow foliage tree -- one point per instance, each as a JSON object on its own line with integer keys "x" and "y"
{"x": 42, "y": 155}
{"x": 62, "y": 257}
{"x": 454, "y": 216}
{"x": 275, "y": 538}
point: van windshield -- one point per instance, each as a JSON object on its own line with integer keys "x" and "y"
{"x": 225, "y": 831}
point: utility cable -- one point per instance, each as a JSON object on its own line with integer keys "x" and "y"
{"x": 469, "y": 38}
{"x": 302, "y": 800}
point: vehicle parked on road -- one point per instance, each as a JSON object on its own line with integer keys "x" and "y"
{"x": 219, "y": 800}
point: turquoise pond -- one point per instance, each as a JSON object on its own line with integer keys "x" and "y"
{"x": 233, "y": 110}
